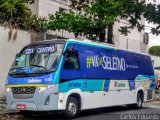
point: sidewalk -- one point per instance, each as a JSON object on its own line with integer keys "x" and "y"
{"x": 7, "y": 114}
{"x": 156, "y": 101}
{"x": 157, "y": 96}
{"x": 3, "y": 109}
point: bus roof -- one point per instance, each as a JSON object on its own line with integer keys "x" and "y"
{"x": 104, "y": 45}
{"x": 85, "y": 42}
{"x": 55, "y": 41}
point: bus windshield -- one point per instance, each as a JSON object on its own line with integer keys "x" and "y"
{"x": 37, "y": 59}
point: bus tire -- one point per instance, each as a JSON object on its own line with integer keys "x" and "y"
{"x": 138, "y": 103}
{"x": 72, "y": 108}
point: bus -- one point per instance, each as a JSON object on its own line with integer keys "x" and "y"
{"x": 72, "y": 75}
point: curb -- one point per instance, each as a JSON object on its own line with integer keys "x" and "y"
{"x": 3, "y": 110}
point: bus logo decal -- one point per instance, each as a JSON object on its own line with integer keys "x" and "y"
{"x": 106, "y": 62}
{"x": 88, "y": 61}
{"x": 34, "y": 81}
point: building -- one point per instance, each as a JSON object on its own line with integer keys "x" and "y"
{"x": 134, "y": 40}
{"x": 45, "y": 7}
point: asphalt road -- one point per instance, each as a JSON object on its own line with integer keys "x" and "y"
{"x": 148, "y": 112}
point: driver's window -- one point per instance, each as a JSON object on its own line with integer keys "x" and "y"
{"x": 71, "y": 60}
{"x": 21, "y": 61}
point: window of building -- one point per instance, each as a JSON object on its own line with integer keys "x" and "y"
{"x": 62, "y": 10}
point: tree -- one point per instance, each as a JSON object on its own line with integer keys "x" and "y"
{"x": 152, "y": 15}
{"x": 16, "y": 14}
{"x": 154, "y": 50}
{"x": 71, "y": 22}
{"x": 93, "y": 17}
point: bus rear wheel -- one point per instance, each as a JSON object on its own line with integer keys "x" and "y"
{"x": 72, "y": 108}
{"x": 138, "y": 103}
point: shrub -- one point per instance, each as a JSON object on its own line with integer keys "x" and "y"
{"x": 154, "y": 50}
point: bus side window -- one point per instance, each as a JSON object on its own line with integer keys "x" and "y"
{"x": 71, "y": 60}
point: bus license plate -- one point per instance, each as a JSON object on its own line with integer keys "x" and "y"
{"x": 21, "y": 106}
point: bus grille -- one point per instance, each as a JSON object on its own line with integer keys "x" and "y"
{"x": 23, "y": 92}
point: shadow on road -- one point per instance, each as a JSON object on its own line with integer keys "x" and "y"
{"x": 84, "y": 114}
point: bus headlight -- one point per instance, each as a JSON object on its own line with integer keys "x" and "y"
{"x": 8, "y": 89}
{"x": 41, "y": 89}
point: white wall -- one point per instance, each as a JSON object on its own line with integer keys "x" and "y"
{"x": 156, "y": 61}
{"x": 50, "y": 7}
{"x": 44, "y": 7}
{"x": 134, "y": 39}
{"x": 34, "y": 7}
{"x": 8, "y": 50}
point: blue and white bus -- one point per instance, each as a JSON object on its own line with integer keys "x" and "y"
{"x": 71, "y": 75}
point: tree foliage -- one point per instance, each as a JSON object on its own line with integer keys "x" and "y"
{"x": 71, "y": 22}
{"x": 154, "y": 50}
{"x": 152, "y": 15}
{"x": 93, "y": 17}
{"x": 86, "y": 17}
{"x": 13, "y": 12}
{"x": 16, "y": 14}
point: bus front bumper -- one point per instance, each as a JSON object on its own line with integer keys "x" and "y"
{"x": 30, "y": 107}
{"x": 44, "y": 101}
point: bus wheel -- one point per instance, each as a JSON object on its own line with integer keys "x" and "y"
{"x": 139, "y": 101}
{"x": 72, "y": 108}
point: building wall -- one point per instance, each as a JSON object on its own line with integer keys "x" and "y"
{"x": 8, "y": 51}
{"x": 50, "y": 7}
{"x": 156, "y": 61}
{"x": 134, "y": 39}
{"x": 34, "y": 7}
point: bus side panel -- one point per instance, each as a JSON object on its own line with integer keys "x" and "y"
{"x": 118, "y": 92}
{"x": 120, "y": 67}
{"x": 71, "y": 80}
{"x": 90, "y": 91}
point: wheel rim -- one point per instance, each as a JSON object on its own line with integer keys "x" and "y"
{"x": 72, "y": 108}
{"x": 139, "y": 102}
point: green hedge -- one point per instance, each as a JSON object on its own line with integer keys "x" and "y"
{"x": 154, "y": 50}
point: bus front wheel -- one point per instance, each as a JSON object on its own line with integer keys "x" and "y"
{"x": 72, "y": 108}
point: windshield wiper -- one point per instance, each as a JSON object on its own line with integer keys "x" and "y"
{"x": 38, "y": 66}
{"x": 16, "y": 68}
{"x": 22, "y": 73}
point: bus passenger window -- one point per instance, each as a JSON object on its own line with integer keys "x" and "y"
{"x": 71, "y": 60}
